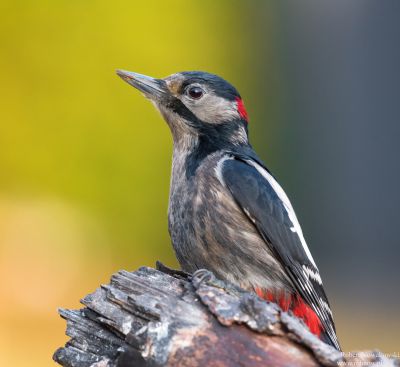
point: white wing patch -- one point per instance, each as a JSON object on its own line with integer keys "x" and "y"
{"x": 288, "y": 206}
{"x": 310, "y": 273}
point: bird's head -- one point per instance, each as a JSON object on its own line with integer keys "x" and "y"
{"x": 196, "y": 105}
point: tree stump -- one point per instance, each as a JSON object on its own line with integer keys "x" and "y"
{"x": 164, "y": 317}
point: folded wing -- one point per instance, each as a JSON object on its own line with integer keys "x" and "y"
{"x": 266, "y": 205}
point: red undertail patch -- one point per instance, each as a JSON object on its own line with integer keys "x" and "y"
{"x": 242, "y": 109}
{"x": 296, "y": 304}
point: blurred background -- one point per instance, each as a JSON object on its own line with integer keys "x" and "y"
{"x": 85, "y": 159}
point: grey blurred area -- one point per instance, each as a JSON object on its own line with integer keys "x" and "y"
{"x": 334, "y": 91}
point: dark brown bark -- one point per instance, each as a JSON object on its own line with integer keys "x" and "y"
{"x": 168, "y": 318}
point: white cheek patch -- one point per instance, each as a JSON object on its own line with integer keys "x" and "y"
{"x": 213, "y": 109}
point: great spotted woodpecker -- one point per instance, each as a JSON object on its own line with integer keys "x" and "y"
{"x": 227, "y": 213}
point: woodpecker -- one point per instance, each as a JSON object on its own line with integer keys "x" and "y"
{"x": 227, "y": 213}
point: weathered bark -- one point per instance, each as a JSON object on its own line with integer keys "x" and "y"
{"x": 169, "y": 318}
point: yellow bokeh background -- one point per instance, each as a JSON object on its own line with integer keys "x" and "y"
{"x": 84, "y": 162}
{"x": 85, "y": 159}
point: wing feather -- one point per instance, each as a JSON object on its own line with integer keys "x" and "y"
{"x": 265, "y": 203}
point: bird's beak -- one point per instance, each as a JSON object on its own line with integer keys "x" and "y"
{"x": 152, "y": 88}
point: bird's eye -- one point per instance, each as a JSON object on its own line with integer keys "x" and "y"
{"x": 195, "y": 92}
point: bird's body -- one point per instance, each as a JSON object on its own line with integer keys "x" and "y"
{"x": 218, "y": 237}
{"x": 227, "y": 213}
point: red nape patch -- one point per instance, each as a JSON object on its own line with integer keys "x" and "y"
{"x": 242, "y": 109}
{"x": 295, "y": 304}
